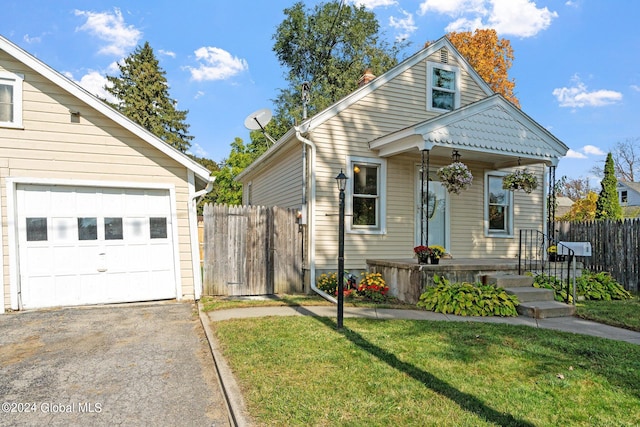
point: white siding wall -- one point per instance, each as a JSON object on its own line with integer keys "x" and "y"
{"x": 51, "y": 146}
{"x": 282, "y": 185}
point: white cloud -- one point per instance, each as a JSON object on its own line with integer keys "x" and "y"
{"x": 167, "y": 53}
{"x": 94, "y": 83}
{"x": 573, "y": 154}
{"x": 199, "y": 94}
{"x": 520, "y": 18}
{"x": 111, "y": 28}
{"x": 579, "y": 96}
{"x": 452, "y": 8}
{"x": 30, "y": 39}
{"x": 592, "y": 149}
{"x": 636, "y": 88}
{"x": 216, "y": 64}
{"x": 197, "y": 150}
{"x": 405, "y": 26}
{"x": 372, "y": 4}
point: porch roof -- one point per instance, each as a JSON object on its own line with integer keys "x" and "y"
{"x": 491, "y": 130}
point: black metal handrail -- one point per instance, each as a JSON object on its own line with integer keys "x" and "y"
{"x": 534, "y": 257}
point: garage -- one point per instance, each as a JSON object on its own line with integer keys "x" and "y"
{"x": 90, "y": 245}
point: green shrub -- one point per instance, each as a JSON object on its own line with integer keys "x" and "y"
{"x": 558, "y": 286}
{"x": 600, "y": 286}
{"x": 466, "y": 299}
{"x": 592, "y": 286}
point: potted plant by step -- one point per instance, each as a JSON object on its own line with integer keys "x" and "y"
{"x": 553, "y": 254}
{"x": 521, "y": 179}
{"x": 422, "y": 253}
{"x": 455, "y": 177}
{"x": 436, "y": 251}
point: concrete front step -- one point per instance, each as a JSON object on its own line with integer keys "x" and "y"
{"x": 531, "y": 294}
{"x": 508, "y": 280}
{"x": 545, "y": 309}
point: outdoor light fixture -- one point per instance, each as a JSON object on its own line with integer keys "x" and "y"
{"x": 455, "y": 156}
{"x": 341, "y": 179}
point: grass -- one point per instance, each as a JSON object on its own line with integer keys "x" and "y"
{"x": 221, "y": 303}
{"x": 620, "y": 313}
{"x": 301, "y": 371}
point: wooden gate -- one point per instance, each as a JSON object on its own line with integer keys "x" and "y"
{"x": 251, "y": 250}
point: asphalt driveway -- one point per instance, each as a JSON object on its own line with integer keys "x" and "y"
{"x": 108, "y": 365}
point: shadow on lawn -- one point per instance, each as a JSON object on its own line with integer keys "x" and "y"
{"x": 464, "y": 400}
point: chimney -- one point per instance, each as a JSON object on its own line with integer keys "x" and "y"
{"x": 366, "y": 77}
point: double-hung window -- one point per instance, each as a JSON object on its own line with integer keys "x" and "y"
{"x": 366, "y": 195}
{"x": 10, "y": 100}
{"x": 498, "y": 207}
{"x": 443, "y": 91}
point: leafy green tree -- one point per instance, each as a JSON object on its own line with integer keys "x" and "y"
{"x": 226, "y": 189}
{"x": 143, "y": 94}
{"x": 608, "y": 206}
{"x": 329, "y": 47}
{"x": 583, "y": 209}
{"x": 213, "y": 168}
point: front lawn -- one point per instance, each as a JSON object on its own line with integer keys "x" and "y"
{"x": 620, "y": 313}
{"x": 301, "y": 371}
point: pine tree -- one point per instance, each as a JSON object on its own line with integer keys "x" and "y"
{"x": 143, "y": 94}
{"x": 608, "y": 206}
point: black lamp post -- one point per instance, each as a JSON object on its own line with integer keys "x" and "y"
{"x": 341, "y": 179}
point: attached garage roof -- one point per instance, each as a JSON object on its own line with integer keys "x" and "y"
{"x": 74, "y": 89}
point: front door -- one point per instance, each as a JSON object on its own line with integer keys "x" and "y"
{"x": 434, "y": 209}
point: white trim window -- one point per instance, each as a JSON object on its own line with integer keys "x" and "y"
{"x": 498, "y": 213}
{"x": 10, "y": 100}
{"x": 366, "y": 195}
{"x": 443, "y": 87}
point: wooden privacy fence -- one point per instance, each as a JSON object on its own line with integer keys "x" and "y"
{"x": 251, "y": 250}
{"x": 614, "y": 247}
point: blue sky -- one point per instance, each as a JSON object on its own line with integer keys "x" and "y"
{"x": 576, "y": 67}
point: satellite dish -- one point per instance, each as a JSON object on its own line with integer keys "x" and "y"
{"x": 258, "y": 120}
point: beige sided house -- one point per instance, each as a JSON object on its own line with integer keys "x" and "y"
{"x": 413, "y": 118}
{"x": 94, "y": 209}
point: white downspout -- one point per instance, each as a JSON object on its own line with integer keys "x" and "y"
{"x": 195, "y": 249}
{"x": 311, "y": 208}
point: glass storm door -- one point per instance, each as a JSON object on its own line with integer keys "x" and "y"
{"x": 434, "y": 209}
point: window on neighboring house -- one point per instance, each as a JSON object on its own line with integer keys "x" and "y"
{"x": 10, "y": 100}
{"x": 366, "y": 195}
{"x": 498, "y": 208}
{"x": 623, "y": 197}
{"x": 443, "y": 91}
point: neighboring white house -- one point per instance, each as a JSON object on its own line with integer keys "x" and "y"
{"x": 412, "y": 119}
{"x": 629, "y": 197}
{"x": 93, "y": 208}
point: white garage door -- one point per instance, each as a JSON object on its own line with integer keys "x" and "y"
{"x": 80, "y": 245}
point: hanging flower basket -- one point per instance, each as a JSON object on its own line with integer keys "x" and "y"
{"x": 455, "y": 177}
{"x": 520, "y": 180}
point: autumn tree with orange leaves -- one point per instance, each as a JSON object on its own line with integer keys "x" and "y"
{"x": 490, "y": 56}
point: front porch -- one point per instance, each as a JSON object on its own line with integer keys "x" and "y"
{"x": 407, "y": 279}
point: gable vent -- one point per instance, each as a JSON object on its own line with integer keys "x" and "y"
{"x": 444, "y": 56}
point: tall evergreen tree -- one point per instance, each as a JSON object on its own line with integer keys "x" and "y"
{"x": 608, "y": 205}
{"x": 143, "y": 94}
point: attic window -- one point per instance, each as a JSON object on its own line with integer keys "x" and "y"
{"x": 444, "y": 56}
{"x": 10, "y": 100}
{"x": 443, "y": 87}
